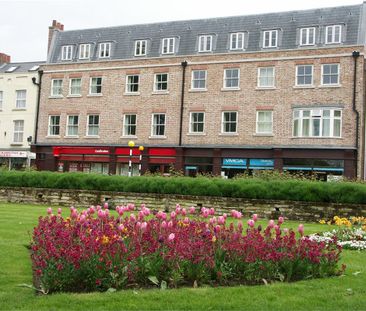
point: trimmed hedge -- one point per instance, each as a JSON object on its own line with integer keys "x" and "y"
{"x": 251, "y": 188}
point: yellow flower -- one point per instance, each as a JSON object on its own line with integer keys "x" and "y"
{"x": 322, "y": 222}
{"x": 214, "y": 239}
{"x": 105, "y": 240}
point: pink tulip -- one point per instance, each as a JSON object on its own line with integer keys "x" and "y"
{"x": 144, "y": 226}
{"x": 221, "y": 220}
{"x": 211, "y": 221}
{"x": 192, "y": 210}
{"x": 170, "y": 224}
{"x": 212, "y": 211}
{"x": 186, "y": 220}
{"x": 217, "y": 228}
{"x": 101, "y": 214}
{"x": 240, "y": 226}
{"x": 138, "y": 225}
{"x": 74, "y": 214}
{"x": 281, "y": 220}
{"x": 271, "y": 223}
{"x": 146, "y": 211}
{"x": 82, "y": 219}
{"x": 163, "y": 216}
{"x": 121, "y": 227}
{"x": 163, "y": 224}
{"x": 59, "y": 211}
{"x": 141, "y": 215}
{"x": 49, "y": 211}
{"x": 205, "y": 213}
{"x": 285, "y": 230}
{"x": 99, "y": 207}
{"x": 105, "y": 205}
{"x": 301, "y": 229}
{"x": 184, "y": 212}
{"x": 106, "y": 212}
{"x": 255, "y": 217}
{"x": 132, "y": 218}
{"x": 173, "y": 214}
{"x": 224, "y": 215}
{"x": 171, "y": 237}
{"x": 251, "y": 223}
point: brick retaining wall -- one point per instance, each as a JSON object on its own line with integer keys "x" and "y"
{"x": 294, "y": 210}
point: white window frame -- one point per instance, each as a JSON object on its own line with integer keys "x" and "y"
{"x": 128, "y": 84}
{"x": 156, "y": 83}
{"x": 317, "y": 114}
{"x": 68, "y": 125}
{"x": 259, "y": 77}
{"x": 105, "y": 50}
{"x": 154, "y": 126}
{"x": 205, "y": 43}
{"x": 192, "y": 123}
{"x": 91, "y": 85}
{"x": 21, "y": 99}
{"x": 193, "y": 80}
{"x": 56, "y": 90}
{"x": 54, "y": 125}
{"x": 297, "y": 75}
{"x": 66, "y": 52}
{"x": 168, "y": 46}
{"x": 140, "y": 47}
{"x": 127, "y": 125}
{"x": 306, "y": 32}
{"x": 18, "y": 134}
{"x": 271, "y": 33}
{"x": 73, "y": 88}
{"x": 333, "y": 28}
{"x": 88, "y": 125}
{"x": 226, "y": 79}
{"x": 84, "y": 51}
{"x": 338, "y": 73}
{"x": 1, "y": 99}
{"x": 258, "y": 123}
{"x": 235, "y": 36}
{"x": 223, "y": 122}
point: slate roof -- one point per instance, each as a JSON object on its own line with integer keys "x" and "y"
{"x": 21, "y": 67}
{"x": 186, "y": 32}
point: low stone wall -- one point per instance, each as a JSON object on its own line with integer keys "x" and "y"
{"x": 295, "y": 210}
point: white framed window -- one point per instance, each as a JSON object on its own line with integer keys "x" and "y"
{"x": 264, "y": 124}
{"x": 1, "y": 99}
{"x": 205, "y": 43}
{"x": 104, "y": 50}
{"x": 54, "y": 126}
{"x": 95, "y": 85}
{"x": 237, "y": 41}
{"x": 330, "y": 74}
{"x": 66, "y": 52}
{"x": 266, "y": 77}
{"x": 168, "y": 46}
{"x": 132, "y": 83}
{"x": 199, "y": 78}
{"x": 129, "y": 125}
{"x": 93, "y": 125}
{"x": 322, "y": 122}
{"x": 197, "y": 122}
{"x": 307, "y": 36}
{"x": 21, "y": 100}
{"x": 140, "y": 47}
{"x": 304, "y": 75}
{"x": 231, "y": 78}
{"x": 56, "y": 87}
{"x": 333, "y": 34}
{"x": 161, "y": 82}
{"x": 229, "y": 122}
{"x": 158, "y": 124}
{"x": 75, "y": 87}
{"x": 72, "y": 125}
{"x": 270, "y": 38}
{"x": 18, "y": 131}
{"x": 84, "y": 51}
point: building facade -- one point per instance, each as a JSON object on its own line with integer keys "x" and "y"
{"x": 223, "y": 96}
{"x": 18, "y": 106}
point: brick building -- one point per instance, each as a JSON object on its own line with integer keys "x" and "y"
{"x": 224, "y": 95}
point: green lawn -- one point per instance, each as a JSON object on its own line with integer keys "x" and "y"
{"x": 16, "y": 222}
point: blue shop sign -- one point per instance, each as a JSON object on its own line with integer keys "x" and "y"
{"x": 261, "y": 163}
{"x": 234, "y": 162}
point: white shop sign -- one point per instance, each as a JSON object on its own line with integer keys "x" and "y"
{"x": 13, "y": 154}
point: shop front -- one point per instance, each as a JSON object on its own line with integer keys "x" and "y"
{"x": 161, "y": 160}
{"x": 16, "y": 160}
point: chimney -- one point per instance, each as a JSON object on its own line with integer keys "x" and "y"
{"x": 4, "y": 58}
{"x": 55, "y": 26}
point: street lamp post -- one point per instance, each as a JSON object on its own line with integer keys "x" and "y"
{"x": 131, "y": 144}
{"x": 141, "y": 148}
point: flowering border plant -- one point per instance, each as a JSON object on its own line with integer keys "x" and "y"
{"x": 95, "y": 250}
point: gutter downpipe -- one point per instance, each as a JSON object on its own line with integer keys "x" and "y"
{"x": 184, "y": 65}
{"x": 39, "y": 84}
{"x": 355, "y": 55}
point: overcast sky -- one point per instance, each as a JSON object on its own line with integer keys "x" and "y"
{"x": 24, "y": 23}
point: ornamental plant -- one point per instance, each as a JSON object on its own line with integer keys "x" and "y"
{"x": 93, "y": 250}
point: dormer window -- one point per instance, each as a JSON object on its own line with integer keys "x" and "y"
{"x": 140, "y": 47}
{"x": 66, "y": 52}
{"x": 307, "y": 36}
{"x": 104, "y": 50}
{"x": 205, "y": 43}
{"x": 84, "y": 51}
{"x": 168, "y": 46}
{"x": 270, "y": 38}
{"x": 237, "y": 41}
{"x": 333, "y": 34}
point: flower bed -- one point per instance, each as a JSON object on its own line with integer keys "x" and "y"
{"x": 350, "y": 234}
{"x": 93, "y": 250}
